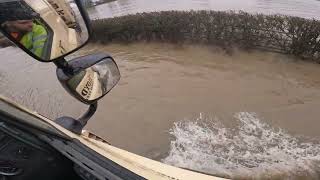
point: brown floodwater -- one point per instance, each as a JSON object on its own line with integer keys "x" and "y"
{"x": 302, "y": 8}
{"x": 253, "y": 96}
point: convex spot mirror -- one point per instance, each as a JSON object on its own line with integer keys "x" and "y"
{"x": 45, "y": 29}
{"x": 93, "y": 77}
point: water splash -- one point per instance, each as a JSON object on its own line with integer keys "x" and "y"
{"x": 252, "y": 150}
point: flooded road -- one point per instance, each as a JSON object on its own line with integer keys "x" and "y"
{"x": 165, "y": 89}
{"x": 245, "y": 115}
{"x": 164, "y": 84}
{"x": 302, "y": 8}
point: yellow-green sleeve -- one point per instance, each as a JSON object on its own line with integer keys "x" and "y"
{"x": 39, "y": 39}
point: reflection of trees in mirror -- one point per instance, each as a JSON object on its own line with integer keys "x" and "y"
{"x": 279, "y": 33}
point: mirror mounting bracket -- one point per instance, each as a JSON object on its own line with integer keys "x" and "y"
{"x": 74, "y": 125}
{"x": 64, "y": 65}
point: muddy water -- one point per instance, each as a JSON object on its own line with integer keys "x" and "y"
{"x": 163, "y": 84}
{"x": 243, "y": 98}
{"x": 34, "y": 85}
{"x": 302, "y": 8}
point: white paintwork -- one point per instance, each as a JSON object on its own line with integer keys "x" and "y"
{"x": 142, "y": 166}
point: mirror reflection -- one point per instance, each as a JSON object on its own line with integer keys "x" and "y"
{"x": 46, "y": 28}
{"x": 95, "y": 81}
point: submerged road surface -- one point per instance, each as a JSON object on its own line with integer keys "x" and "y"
{"x": 238, "y": 115}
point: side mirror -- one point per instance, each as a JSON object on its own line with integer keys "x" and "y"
{"x": 46, "y": 29}
{"x": 88, "y": 79}
{"x": 93, "y": 77}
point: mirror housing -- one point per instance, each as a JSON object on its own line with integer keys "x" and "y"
{"x": 92, "y": 77}
{"x": 47, "y": 30}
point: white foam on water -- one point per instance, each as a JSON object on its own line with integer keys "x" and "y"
{"x": 252, "y": 150}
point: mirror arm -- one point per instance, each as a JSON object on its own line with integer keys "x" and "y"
{"x": 74, "y": 125}
{"x": 64, "y": 65}
{"x": 90, "y": 112}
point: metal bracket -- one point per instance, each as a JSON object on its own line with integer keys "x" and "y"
{"x": 74, "y": 125}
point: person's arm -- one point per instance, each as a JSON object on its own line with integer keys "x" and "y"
{"x": 39, "y": 39}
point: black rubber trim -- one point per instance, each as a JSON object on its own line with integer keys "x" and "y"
{"x": 111, "y": 166}
{"x": 15, "y": 121}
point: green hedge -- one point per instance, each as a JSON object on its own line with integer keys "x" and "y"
{"x": 290, "y": 35}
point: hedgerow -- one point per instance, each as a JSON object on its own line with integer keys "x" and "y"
{"x": 286, "y": 34}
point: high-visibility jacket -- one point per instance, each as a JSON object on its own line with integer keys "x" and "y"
{"x": 35, "y": 40}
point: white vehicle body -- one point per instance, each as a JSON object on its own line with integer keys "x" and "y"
{"x": 64, "y": 38}
{"x": 64, "y": 11}
{"x": 129, "y": 163}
